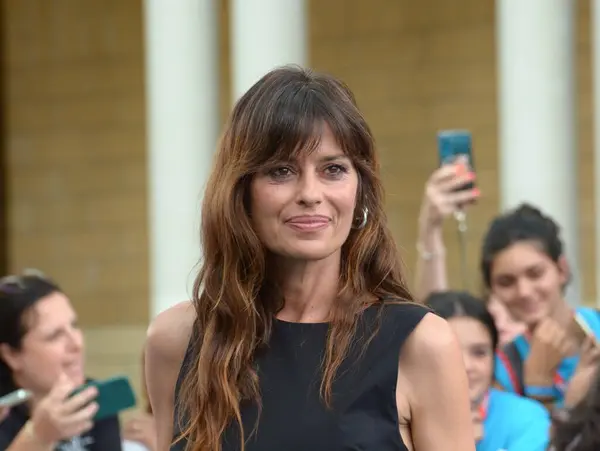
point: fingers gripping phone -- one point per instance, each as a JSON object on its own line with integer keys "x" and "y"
{"x": 114, "y": 396}
{"x": 454, "y": 144}
{"x": 579, "y": 329}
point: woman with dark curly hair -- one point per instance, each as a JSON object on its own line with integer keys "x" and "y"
{"x": 524, "y": 265}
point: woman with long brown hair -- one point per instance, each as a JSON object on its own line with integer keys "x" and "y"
{"x": 301, "y": 334}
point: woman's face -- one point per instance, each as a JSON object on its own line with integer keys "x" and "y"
{"x": 508, "y": 327}
{"x": 52, "y": 345}
{"x": 478, "y": 354}
{"x": 528, "y": 282}
{"x": 304, "y": 209}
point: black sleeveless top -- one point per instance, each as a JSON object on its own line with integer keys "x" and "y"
{"x": 364, "y": 414}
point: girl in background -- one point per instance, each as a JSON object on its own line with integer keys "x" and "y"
{"x": 494, "y": 420}
{"x": 524, "y": 266}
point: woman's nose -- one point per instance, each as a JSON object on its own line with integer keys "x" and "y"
{"x": 309, "y": 189}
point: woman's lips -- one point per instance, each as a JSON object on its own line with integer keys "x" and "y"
{"x": 307, "y": 223}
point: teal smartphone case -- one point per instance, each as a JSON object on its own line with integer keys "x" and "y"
{"x": 114, "y": 396}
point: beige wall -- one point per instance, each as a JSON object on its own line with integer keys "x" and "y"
{"x": 76, "y": 152}
{"x": 75, "y": 135}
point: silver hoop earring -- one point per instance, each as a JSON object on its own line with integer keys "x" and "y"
{"x": 364, "y": 219}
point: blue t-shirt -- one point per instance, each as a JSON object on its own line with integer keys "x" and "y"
{"x": 510, "y": 376}
{"x": 514, "y": 423}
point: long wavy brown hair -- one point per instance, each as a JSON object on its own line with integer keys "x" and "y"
{"x": 235, "y": 296}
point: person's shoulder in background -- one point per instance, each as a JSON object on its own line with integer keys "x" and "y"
{"x": 521, "y": 423}
{"x": 169, "y": 335}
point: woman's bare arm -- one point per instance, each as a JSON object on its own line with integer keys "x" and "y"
{"x": 439, "y": 200}
{"x": 430, "y": 274}
{"x": 166, "y": 343}
{"x": 432, "y": 381}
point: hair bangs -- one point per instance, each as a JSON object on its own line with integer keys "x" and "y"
{"x": 293, "y": 129}
{"x": 351, "y": 133}
{"x": 294, "y": 125}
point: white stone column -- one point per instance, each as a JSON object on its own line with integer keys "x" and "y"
{"x": 536, "y": 97}
{"x": 265, "y": 34}
{"x": 595, "y": 30}
{"x": 182, "y": 128}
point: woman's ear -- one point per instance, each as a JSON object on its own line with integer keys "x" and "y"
{"x": 9, "y": 356}
{"x": 564, "y": 269}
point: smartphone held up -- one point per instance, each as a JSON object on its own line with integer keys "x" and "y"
{"x": 114, "y": 395}
{"x": 454, "y": 145}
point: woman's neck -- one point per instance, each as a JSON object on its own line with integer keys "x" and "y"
{"x": 309, "y": 289}
{"x": 477, "y": 403}
{"x": 36, "y": 396}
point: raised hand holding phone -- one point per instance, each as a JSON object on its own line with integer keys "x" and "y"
{"x": 452, "y": 186}
{"x": 444, "y": 193}
{"x": 60, "y": 416}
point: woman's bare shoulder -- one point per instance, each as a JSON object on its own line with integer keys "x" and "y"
{"x": 169, "y": 334}
{"x": 432, "y": 390}
{"x": 432, "y": 345}
{"x": 431, "y": 363}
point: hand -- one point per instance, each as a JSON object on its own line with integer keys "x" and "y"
{"x": 585, "y": 373}
{"x": 60, "y": 416}
{"x": 550, "y": 344}
{"x": 441, "y": 198}
{"x": 142, "y": 429}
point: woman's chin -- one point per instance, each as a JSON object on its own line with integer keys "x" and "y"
{"x": 77, "y": 377}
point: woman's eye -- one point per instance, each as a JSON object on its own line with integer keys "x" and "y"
{"x": 481, "y": 352}
{"x": 336, "y": 169}
{"x": 280, "y": 172}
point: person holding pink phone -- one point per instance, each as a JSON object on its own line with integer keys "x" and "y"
{"x": 440, "y": 200}
{"x": 42, "y": 351}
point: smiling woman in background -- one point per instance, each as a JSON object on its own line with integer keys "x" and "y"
{"x": 42, "y": 350}
{"x": 524, "y": 266}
